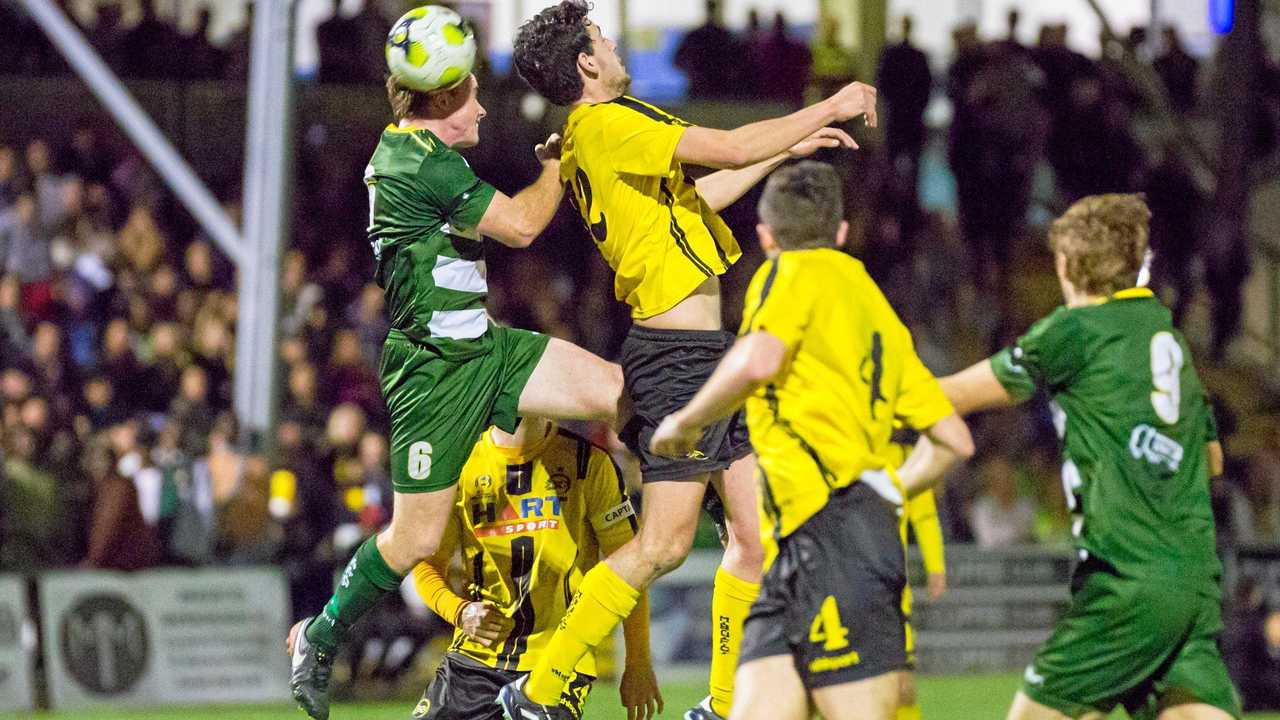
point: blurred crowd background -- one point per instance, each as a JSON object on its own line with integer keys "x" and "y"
{"x": 117, "y": 316}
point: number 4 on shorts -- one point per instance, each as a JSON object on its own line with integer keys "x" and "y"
{"x": 420, "y": 460}
{"x": 827, "y": 627}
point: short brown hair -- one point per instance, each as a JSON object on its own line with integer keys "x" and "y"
{"x": 405, "y": 102}
{"x": 1104, "y": 241}
{"x": 803, "y": 205}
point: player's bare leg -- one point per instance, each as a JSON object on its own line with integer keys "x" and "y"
{"x": 1024, "y": 708}
{"x": 871, "y": 699}
{"x": 737, "y": 584}
{"x": 668, "y": 523}
{"x": 609, "y": 591}
{"x": 908, "y": 708}
{"x": 743, "y": 553}
{"x": 417, "y": 525}
{"x": 770, "y": 690}
{"x": 570, "y": 383}
{"x": 1194, "y": 711}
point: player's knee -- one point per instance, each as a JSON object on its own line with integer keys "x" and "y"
{"x": 745, "y": 549}
{"x": 665, "y": 552}
{"x": 402, "y": 548}
{"x": 607, "y": 392}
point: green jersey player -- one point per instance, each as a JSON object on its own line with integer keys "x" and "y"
{"x": 1139, "y": 444}
{"x": 448, "y": 372}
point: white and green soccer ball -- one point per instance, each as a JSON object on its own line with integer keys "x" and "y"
{"x": 430, "y": 48}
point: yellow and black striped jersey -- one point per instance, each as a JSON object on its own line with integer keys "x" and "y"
{"x": 528, "y": 522}
{"x": 851, "y": 370}
{"x": 647, "y": 218}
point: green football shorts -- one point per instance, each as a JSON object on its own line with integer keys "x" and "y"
{"x": 1145, "y": 644}
{"x": 439, "y": 406}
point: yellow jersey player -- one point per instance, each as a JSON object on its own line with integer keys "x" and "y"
{"x": 824, "y": 366}
{"x": 624, "y": 161}
{"x": 921, "y": 513}
{"x": 535, "y": 510}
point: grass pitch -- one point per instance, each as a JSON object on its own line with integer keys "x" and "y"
{"x": 973, "y": 697}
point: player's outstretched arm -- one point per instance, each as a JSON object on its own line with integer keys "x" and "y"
{"x": 722, "y": 188}
{"x": 752, "y": 361}
{"x": 517, "y": 221}
{"x": 766, "y": 139}
{"x": 976, "y": 388}
{"x": 942, "y": 446}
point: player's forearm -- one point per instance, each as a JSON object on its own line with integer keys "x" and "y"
{"x": 722, "y": 188}
{"x": 635, "y": 632}
{"x": 435, "y": 592}
{"x": 760, "y": 141}
{"x": 940, "y": 448}
{"x": 976, "y": 388}
{"x": 537, "y": 204}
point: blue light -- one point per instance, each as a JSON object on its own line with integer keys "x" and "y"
{"x": 1222, "y": 15}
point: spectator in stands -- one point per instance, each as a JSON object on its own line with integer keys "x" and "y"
{"x": 703, "y": 54}
{"x": 150, "y": 46}
{"x": 1179, "y": 71}
{"x": 1001, "y": 516}
{"x": 1258, "y": 520}
{"x": 834, "y": 65}
{"x": 995, "y": 143}
{"x": 191, "y": 411}
{"x": 783, "y": 67}
{"x": 905, "y": 83}
{"x": 34, "y": 531}
{"x": 201, "y": 59}
{"x": 119, "y": 537}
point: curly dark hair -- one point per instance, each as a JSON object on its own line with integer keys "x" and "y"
{"x": 547, "y": 47}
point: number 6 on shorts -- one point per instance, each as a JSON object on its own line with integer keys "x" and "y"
{"x": 420, "y": 460}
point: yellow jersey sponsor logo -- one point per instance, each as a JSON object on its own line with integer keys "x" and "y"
{"x": 839, "y": 662}
{"x": 424, "y": 707}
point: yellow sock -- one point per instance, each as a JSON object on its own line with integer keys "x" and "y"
{"x": 731, "y": 600}
{"x": 908, "y": 712}
{"x": 603, "y": 601}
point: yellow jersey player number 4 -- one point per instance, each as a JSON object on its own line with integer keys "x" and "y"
{"x": 825, "y": 368}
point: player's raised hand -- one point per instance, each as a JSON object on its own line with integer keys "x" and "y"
{"x": 853, "y": 100}
{"x": 673, "y": 439}
{"x": 484, "y": 623}
{"x": 640, "y": 694}
{"x": 549, "y": 151}
{"x": 827, "y": 137}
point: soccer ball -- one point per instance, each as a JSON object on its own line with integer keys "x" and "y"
{"x": 430, "y": 48}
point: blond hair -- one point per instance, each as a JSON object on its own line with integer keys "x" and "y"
{"x": 1103, "y": 239}
{"x": 405, "y": 102}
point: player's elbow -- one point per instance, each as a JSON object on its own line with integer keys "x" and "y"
{"x": 522, "y": 235}
{"x": 952, "y": 434}
{"x": 734, "y": 156}
{"x": 764, "y": 357}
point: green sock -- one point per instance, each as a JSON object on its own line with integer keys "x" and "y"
{"x": 365, "y": 581}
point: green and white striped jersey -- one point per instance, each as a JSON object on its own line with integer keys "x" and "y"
{"x": 425, "y": 206}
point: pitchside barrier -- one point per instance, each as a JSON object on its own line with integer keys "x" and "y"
{"x": 180, "y": 636}
{"x": 999, "y": 606}
{"x": 164, "y": 637}
{"x": 17, "y": 642}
